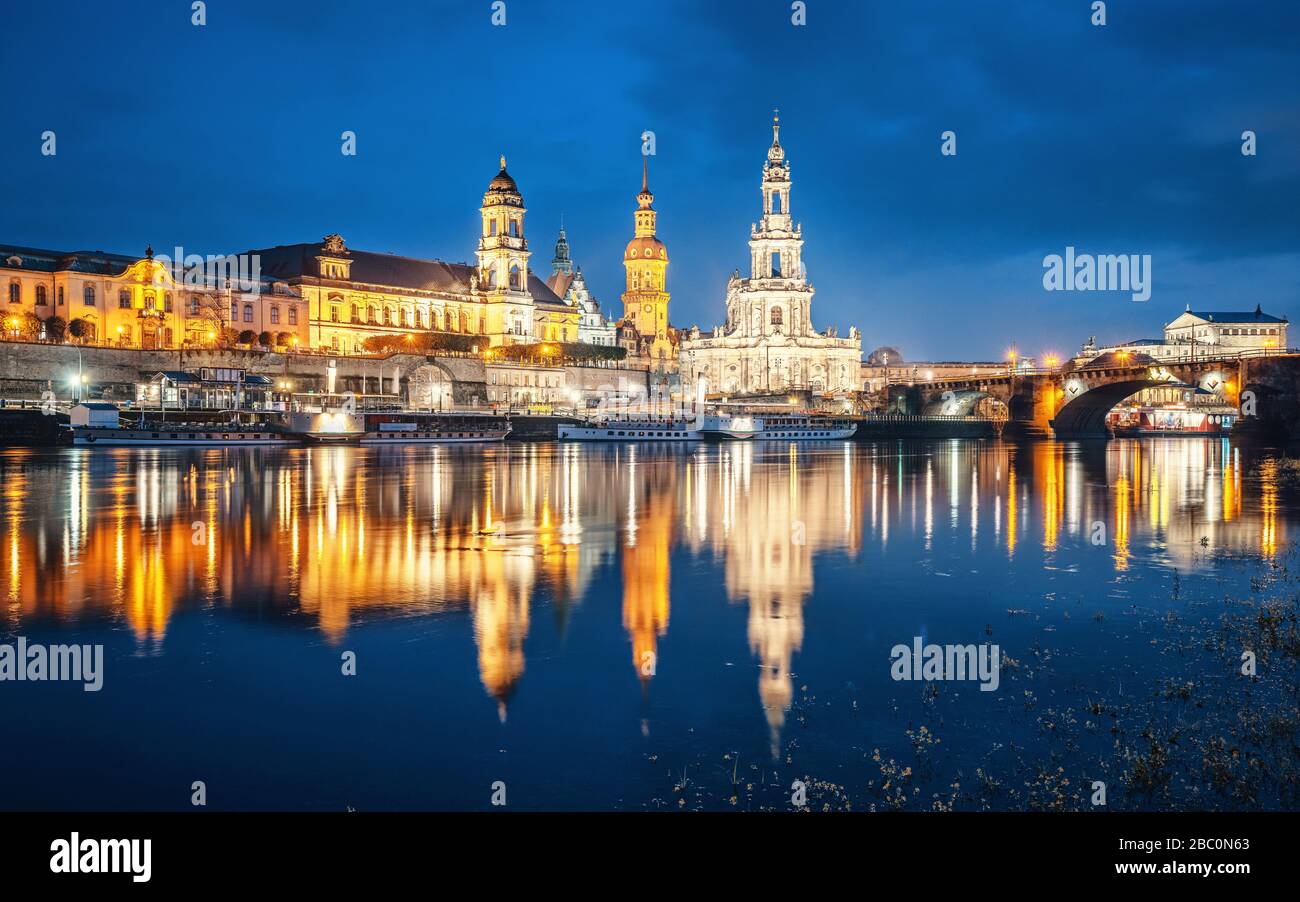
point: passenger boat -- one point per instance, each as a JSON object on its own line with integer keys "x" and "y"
{"x": 405, "y": 428}
{"x": 631, "y": 430}
{"x": 1174, "y": 420}
{"x": 99, "y": 424}
{"x": 802, "y": 427}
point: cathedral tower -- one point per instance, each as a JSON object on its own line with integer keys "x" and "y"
{"x": 503, "y": 260}
{"x": 645, "y": 302}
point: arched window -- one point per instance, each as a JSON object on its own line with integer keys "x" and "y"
{"x": 40, "y": 295}
{"x": 437, "y": 321}
{"x": 275, "y": 315}
{"x": 372, "y": 315}
{"x": 356, "y": 313}
{"x": 464, "y": 321}
{"x": 15, "y": 293}
{"x": 516, "y": 278}
{"x": 124, "y": 299}
{"x": 248, "y": 313}
{"x": 776, "y": 264}
{"x": 88, "y": 295}
{"x": 776, "y": 316}
{"x": 776, "y": 201}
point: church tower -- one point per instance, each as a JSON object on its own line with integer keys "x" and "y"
{"x": 776, "y": 257}
{"x": 503, "y": 261}
{"x": 645, "y": 302}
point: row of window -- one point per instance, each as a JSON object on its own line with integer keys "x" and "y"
{"x": 427, "y": 319}
{"x": 124, "y": 302}
{"x": 248, "y": 313}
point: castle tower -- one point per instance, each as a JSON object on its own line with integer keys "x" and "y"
{"x": 561, "y": 262}
{"x": 645, "y": 300}
{"x": 503, "y": 261}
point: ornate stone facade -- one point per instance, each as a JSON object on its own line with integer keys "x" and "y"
{"x": 768, "y": 343}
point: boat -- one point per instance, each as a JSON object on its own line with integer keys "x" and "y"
{"x": 407, "y": 428}
{"x": 96, "y": 423}
{"x": 1171, "y": 420}
{"x": 803, "y": 427}
{"x": 631, "y": 430}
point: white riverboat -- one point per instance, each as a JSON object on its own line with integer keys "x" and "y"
{"x": 801, "y": 427}
{"x": 645, "y": 430}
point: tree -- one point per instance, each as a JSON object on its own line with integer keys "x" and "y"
{"x": 55, "y": 328}
{"x": 27, "y": 325}
{"x": 282, "y": 339}
{"x": 81, "y": 329}
{"x": 247, "y": 337}
{"x": 264, "y": 339}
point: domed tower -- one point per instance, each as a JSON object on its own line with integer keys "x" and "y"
{"x": 503, "y": 258}
{"x": 645, "y": 302}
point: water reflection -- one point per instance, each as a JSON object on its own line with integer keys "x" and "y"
{"x": 337, "y": 534}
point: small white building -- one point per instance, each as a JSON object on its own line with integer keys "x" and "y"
{"x": 96, "y": 414}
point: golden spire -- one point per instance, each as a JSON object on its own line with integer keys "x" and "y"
{"x": 503, "y": 162}
{"x": 776, "y": 126}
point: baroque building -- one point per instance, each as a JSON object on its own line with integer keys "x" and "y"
{"x": 314, "y": 296}
{"x": 644, "y": 327}
{"x": 120, "y": 301}
{"x": 768, "y": 343}
{"x": 353, "y": 295}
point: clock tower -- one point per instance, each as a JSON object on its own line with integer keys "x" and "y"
{"x": 645, "y": 302}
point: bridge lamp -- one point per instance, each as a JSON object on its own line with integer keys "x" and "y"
{"x": 1050, "y": 360}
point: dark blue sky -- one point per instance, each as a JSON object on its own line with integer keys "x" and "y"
{"x": 1115, "y": 139}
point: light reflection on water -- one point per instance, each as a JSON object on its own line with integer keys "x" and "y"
{"x": 330, "y": 540}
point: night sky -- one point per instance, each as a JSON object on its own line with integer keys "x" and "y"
{"x": 1117, "y": 139}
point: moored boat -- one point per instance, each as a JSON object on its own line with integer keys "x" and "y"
{"x": 804, "y": 427}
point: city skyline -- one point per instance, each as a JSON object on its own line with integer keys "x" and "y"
{"x": 1147, "y": 160}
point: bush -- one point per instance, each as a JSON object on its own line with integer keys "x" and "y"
{"x": 264, "y": 339}
{"x": 247, "y": 337}
{"x": 81, "y": 329}
{"x": 422, "y": 342}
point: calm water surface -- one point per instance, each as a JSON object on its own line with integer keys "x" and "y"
{"x": 608, "y": 627}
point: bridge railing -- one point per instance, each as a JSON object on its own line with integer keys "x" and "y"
{"x": 1205, "y": 357}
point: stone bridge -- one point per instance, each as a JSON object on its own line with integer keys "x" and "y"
{"x": 1074, "y": 404}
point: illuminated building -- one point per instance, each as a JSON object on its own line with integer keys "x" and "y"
{"x": 768, "y": 343}
{"x": 114, "y": 300}
{"x": 645, "y": 328}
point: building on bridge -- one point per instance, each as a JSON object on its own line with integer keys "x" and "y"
{"x": 768, "y": 343}
{"x": 1200, "y": 334}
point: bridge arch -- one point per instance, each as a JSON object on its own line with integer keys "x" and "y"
{"x": 965, "y": 403}
{"x": 1083, "y": 415}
